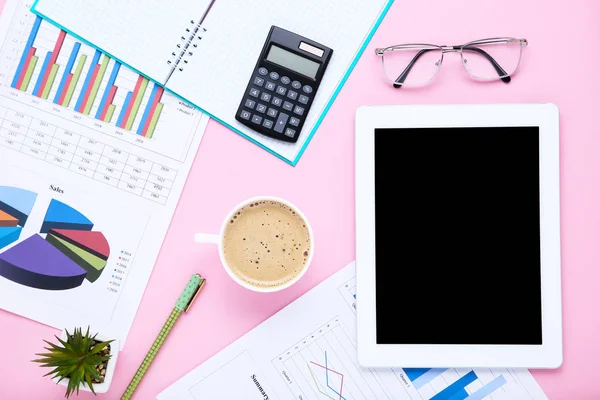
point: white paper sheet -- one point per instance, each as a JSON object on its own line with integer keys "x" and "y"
{"x": 308, "y": 351}
{"x": 126, "y": 184}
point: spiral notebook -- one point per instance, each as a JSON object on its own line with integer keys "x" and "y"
{"x": 204, "y": 51}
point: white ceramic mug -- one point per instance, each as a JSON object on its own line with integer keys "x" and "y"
{"x": 218, "y": 239}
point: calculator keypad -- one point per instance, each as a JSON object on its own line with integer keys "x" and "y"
{"x": 275, "y": 104}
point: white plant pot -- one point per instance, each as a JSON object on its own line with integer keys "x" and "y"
{"x": 110, "y": 367}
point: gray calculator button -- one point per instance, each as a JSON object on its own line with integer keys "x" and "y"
{"x": 277, "y": 101}
{"x": 257, "y": 119}
{"x": 307, "y": 89}
{"x": 270, "y": 86}
{"x": 267, "y": 123}
{"x": 274, "y": 75}
{"x": 285, "y": 80}
{"x": 298, "y": 110}
{"x": 258, "y": 81}
{"x": 292, "y": 95}
{"x": 250, "y": 103}
{"x": 261, "y": 108}
{"x": 281, "y": 90}
{"x": 296, "y": 85}
{"x": 272, "y": 112}
{"x": 254, "y": 92}
{"x": 289, "y": 132}
{"x": 303, "y": 99}
{"x": 263, "y": 71}
{"x": 288, "y": 106}
{"x": 294, "y": 121}
{"x": 245, "y": 115}
{"x": 265, "y": 97}
{"x": 281, "y": 122}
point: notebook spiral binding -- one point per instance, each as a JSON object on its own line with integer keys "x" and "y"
{"x": 188, "y": 42}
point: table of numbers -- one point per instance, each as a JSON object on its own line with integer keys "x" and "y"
{"x": 85, "y": 156}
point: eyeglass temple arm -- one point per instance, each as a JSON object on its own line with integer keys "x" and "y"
{"x": 402, "y": 77}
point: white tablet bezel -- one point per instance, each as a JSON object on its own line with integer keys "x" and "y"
{"x": 370, "y": 354}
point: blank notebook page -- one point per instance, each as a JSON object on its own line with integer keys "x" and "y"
{"x": 216, "y": 76}
{"x": 141, "y": 33}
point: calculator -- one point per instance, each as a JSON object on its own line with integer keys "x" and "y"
{"x": 283, "y": 85}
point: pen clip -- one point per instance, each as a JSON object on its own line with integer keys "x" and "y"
{"x": 190, "y": 293}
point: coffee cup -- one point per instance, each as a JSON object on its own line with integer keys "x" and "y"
{"x": 265, "y": 243}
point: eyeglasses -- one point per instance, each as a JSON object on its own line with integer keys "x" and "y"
{"x": 486, "y": 60}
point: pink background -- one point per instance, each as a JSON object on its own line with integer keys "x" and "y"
{"x": 561, "y": 65}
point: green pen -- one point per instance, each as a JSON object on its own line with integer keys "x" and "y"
{"x": 183, "y": 304}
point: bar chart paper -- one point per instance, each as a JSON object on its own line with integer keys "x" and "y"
{"x": 84, "y": 204}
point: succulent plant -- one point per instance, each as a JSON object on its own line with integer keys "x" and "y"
{"x": 76, "y": 359}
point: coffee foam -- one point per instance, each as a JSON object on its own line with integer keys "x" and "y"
{"x": 266, "y": 244}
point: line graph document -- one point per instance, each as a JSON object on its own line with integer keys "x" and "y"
{"x": 307, "y": 351}
{"x": 93, "y": 160}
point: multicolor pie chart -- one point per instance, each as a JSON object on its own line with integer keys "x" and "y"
{"x": 64, "y": 253}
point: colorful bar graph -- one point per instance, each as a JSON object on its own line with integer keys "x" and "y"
{"x": 63, "y": 87}
{"x": 29, "y": 73}
{"x": 73, "y": 83}
{"x": 91, "y": 98}
{"x": 137, "y": 100}
{"x": 87, "y": 84}
{"x": 27, "y": 55}
{"x": 47, "y": 71}
{"x": 60, "y": 82}
{"x": 124, "y": 110}
{"x": 427, "y": 377}
{"x": 456, "y": 391}
{"x": 154, "y": 121}
{"x": 110, "y": 90}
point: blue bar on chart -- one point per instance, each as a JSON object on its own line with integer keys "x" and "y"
{"x": 427, "y": 377}
{"x": 38, "y": 85}
{"x": 63, "y": 82}
{"x": 105, "y": 102}
{"x": 27, "y": 54}
{"x": 414, "y": 373}
{"x": 457, "y": 390}
{"x": 148, "y": 110}
{"x": 124, "y": 109}
{"x": 87, "y": 82}
{"x": 488, "y": 388}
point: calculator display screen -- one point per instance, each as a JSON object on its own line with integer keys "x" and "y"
{"x": 293, "y": 61}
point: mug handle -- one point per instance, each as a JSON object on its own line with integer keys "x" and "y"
{"x": 207, "y": 238}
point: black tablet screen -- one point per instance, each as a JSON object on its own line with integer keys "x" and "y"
{"x": 458, "y": 236}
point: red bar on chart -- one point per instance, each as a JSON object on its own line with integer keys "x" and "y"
{"x": 109, "y": 100}
{"x": 136, "y": 91}
{"x": 55, "y": 52}
{"x": 24, "y": 72}
{"x": 64, "y": 93}
{"x": 89, "y": 89}
{"x": 157, "y": 98}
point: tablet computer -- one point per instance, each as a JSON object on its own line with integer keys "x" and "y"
{"x": 458, "y": 236}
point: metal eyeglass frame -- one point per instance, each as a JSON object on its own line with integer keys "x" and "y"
{"x": 470, "y": 46}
